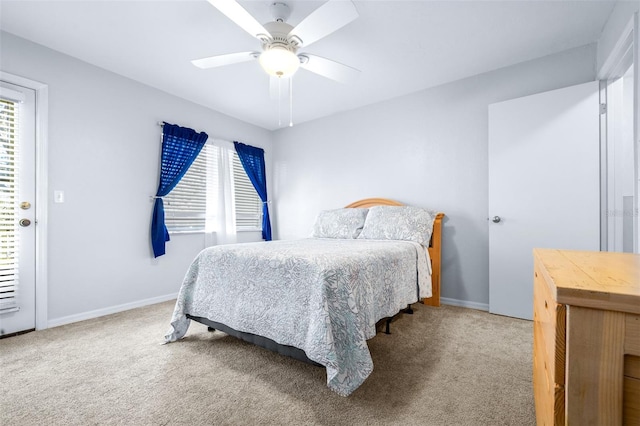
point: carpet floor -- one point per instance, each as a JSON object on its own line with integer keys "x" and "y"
{"x": 440, "y": 366}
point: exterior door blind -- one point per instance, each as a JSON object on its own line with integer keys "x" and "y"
{"x": 248, "y": 203}
{"x": 9, "y": 242}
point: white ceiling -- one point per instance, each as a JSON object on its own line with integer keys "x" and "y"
{"x": 400, "y": 46}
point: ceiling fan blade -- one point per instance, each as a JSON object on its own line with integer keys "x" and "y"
{"x": 238, "y": 14}
{"x": 326, "y": 19}
{"x": 328, "y": 68}
{"x": 220, "y": 60}
{"x": 278, "y": 87}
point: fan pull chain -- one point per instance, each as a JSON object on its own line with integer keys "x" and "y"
{"x": 291, "y": 101}
{"x": 279, "y": 102}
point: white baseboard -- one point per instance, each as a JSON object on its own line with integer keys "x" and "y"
{"x": 110, "y": 310}
{"x": 465, "y": 304}
{"x": 159, "y": 299}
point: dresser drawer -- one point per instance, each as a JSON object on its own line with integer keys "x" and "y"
{"x": 631, "y": 397}
{"x": 631, "y": 413}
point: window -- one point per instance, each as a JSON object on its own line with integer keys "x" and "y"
{"x": 193, "y": 203}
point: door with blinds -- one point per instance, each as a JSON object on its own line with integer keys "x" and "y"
{"x": 17, "y": 209}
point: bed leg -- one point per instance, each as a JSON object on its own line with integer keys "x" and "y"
{"x": 211, "y": 329}
{"x": 387, "y": 328}
{"x": 409, "y": 310}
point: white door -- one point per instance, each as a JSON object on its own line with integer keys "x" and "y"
{"x": 544, "y": 187}
{"x": 17, "y": 209}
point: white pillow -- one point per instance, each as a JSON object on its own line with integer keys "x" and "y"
{"x": 399, "y": 223}
{"x": 339, "y": 223}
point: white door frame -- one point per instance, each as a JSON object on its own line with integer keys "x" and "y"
{"x": 42, "y": 190}
{"x": 636, "y": 124}
{"x": 629, "y": 39}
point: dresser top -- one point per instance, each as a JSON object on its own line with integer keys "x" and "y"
{"x": 601, "y": 280}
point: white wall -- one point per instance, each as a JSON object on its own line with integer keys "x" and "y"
{"x": 426, "y": 149}
{"x": 104, "y": 150}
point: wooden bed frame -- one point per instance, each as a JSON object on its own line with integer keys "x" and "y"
{"x": 435, "y": 245}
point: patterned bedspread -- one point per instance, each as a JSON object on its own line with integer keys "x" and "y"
{"x": 323, "y": 296}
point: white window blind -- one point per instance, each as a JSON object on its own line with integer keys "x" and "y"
{"x": 8, "y": 192}
{"x": 192, "y": 203}
{"x": 248, "y": 203}
{"x": 186, "y": 205}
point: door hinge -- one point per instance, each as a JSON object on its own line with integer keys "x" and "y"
{"x": 603, "y": 109}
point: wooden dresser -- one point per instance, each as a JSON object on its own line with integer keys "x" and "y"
{"x": 586, "y": 356}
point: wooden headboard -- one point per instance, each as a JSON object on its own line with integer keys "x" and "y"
{"x": 435, "y": 245}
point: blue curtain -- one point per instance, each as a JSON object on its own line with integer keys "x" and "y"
{"x": 180, "y": 147}
{"x": 252, "y": 160}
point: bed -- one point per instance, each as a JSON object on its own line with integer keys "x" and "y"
{"x": 319, "y": 299}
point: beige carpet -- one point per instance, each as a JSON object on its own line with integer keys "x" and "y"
{"x": 440, "y": 366}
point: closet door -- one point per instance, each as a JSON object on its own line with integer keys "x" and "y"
{"x": 544, "y": 187}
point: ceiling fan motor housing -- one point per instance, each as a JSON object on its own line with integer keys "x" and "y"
{"x": 279, "y": 32}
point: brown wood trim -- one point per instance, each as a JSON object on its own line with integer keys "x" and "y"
{"x": 435, "y": 252}
{"x": 372, "y": 202}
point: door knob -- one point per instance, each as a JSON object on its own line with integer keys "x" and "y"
{"x": 24, "y": 222}
{"x": 496, "y": 219}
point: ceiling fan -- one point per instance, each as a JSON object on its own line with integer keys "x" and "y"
{"x": 281, "y": 41}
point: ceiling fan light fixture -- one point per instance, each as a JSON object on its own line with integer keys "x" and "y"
{"x": 279, "y": 61}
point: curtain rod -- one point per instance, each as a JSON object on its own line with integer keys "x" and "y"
{"x": 161, "y": 124}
